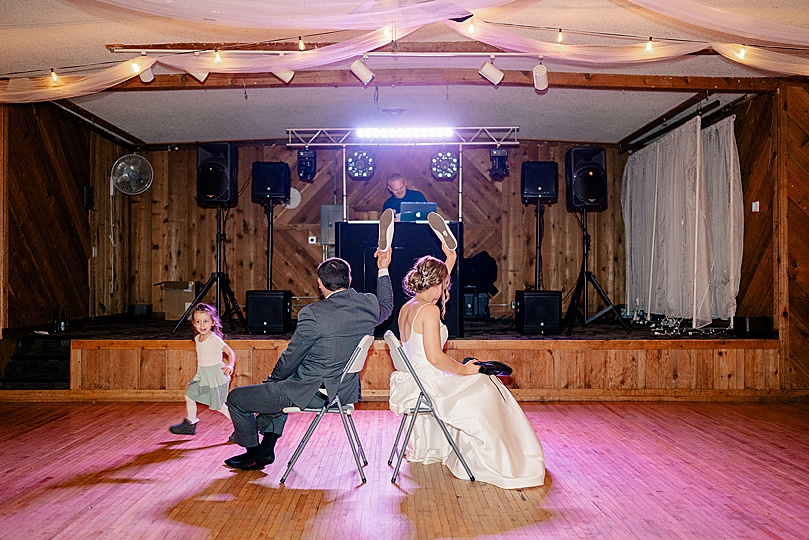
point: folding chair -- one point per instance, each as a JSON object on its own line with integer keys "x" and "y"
{"x": 334, "y": 405}
{"x": 423, "y": 405}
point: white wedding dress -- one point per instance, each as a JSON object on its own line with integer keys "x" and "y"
{"x": 491, "y": 430}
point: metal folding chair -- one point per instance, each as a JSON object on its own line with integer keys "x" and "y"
{"x": 423, "y": 405}
{"x": 334, "y": 405}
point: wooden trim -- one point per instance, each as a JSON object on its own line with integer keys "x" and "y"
{"x": 3, "y": 219}
{"x": 781, "y": 236}
{"x": 99, "y": 125}
{"x": 450, "y": 76}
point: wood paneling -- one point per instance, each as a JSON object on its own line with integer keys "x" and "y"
{"x": 47, "y": 169}
{"x": 175, "y": 239}
{"x": 552, "y": 370}
{"x": 796, "y": 135}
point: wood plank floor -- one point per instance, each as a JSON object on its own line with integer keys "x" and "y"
{"x": 615, "y": 470}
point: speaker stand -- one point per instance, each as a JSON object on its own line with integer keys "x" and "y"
{"x": 223, "y": 287}
{"x": 540, "y": 211}
{"x": 585, "y": 277}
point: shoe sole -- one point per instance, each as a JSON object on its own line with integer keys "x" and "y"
{"x": 440, "y": 228}
{"x": 386, "y": 230}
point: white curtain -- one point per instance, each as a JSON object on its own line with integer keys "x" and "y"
{"x": 682, "y": 205}
{"x": 724, "y": 181}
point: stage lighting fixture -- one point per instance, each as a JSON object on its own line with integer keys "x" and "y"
{"x": 491, "y": 73}
{"x": 499, "y": 166}
{"x": 444, "y": 165}
{"x": 360, "y": 165}
{"x": 361, "y": 71}
{"x": 540, "y": 77}
{"x": 307, "y": 165}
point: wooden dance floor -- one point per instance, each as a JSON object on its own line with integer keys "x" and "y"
{"x": 615, "y": 470}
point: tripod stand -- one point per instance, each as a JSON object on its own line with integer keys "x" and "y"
{"x": 585, "y": 277}
{"x": 223, "y": 289}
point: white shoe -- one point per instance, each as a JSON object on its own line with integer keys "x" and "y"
{"x": 386, "y": 230}
{"x": 441, "y": 229}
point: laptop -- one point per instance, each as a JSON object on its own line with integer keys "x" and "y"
{"x": 416, "y": 211}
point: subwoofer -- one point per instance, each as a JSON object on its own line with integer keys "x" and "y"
{"x": 269, "y": 312}
{"x": 216, "y": 174}
{"x": 539, "y": 181}
{"x": 586, "y": 178}
{"x": 539, "y": 312}
{"x": 271, "y": 181}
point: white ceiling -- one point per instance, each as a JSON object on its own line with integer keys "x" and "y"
{"x": 38, "y": 35}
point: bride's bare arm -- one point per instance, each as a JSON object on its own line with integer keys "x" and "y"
{"x": 451, "y": 256}
{"x": 431, "y": 333}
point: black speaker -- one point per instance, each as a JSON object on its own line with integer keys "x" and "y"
{"x": 539, "y": 312}
{"x": 539, "y": 181}
{"x": 271, "y": 181}
{"x": 269, "y": 312}
{"x": 216, "y": 174}
{"x": 586, "y": 178}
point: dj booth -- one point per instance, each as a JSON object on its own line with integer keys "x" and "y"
{"x": 356, "y": 242}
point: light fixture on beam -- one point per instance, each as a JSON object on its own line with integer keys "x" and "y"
{"x": 491, "y": 73}
{"x": 499, "y": 168}
{"x": 444, "y": 165}
{"x": 407, "y": 133}
{"x": 361, "y": 71}
{"x": 360, "y": 165}
{"x": 540, "y": 77}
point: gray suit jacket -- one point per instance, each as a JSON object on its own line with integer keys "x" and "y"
{"x": 328, "y": 331}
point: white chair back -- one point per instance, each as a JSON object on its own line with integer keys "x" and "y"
{"x": 394, "y": 345}
{"x": 357, "y": 360}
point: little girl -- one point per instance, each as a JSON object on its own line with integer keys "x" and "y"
{"x": 210, "y": 385}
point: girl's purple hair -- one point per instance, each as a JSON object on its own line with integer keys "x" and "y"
{"x": 211, "y": 311}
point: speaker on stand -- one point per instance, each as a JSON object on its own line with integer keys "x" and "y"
{"x": 586, "y": 182}
{"x": 217, "y": 187}
{"x": 270, "y": 312}
{"x": 538, "y": 311}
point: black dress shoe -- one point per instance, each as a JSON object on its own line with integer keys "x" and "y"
{"x": 492, "y": 367}
{"x": 249, "y": 464}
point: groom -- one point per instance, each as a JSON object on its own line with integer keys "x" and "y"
{"x": 328, "y": 331}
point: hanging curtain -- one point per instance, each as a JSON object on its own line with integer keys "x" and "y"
{"x": 724, "y": 181}
{"x": 666, "y": 209}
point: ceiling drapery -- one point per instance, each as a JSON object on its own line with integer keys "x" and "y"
{"x": 321, "y": 14}
{"x": 23, "y": 90}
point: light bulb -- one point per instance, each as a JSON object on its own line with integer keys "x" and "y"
{"x": 741, "y": 53}
{"x": 301, "y": 44}
{"x": 649, "y": 45}
{"x": 559, "y": 37}
{"x": 218, "y": 58}
{"x": 54, "y": 76}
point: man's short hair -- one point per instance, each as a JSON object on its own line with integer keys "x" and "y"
{"x": 395, "y": 176}
{"x": 334, "y": 273}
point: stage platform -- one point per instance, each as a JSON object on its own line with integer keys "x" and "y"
{"x": 140, "y": 360}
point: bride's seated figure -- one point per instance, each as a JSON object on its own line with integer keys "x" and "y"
{"x": 491, "y": 430}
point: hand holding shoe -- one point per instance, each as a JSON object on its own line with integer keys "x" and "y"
{"x": 490, "y": 367}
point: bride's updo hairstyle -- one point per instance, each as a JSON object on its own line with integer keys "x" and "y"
{"x": 425, "y": 274}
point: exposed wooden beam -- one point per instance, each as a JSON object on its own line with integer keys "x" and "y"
{"x": 663, "y": 118}
{"x": 451, "y": 76}
{"x": 99, "y": 125}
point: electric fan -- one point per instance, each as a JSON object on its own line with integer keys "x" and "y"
{"x": 131, "y": 174}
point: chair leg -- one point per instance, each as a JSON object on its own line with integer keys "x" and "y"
{"x": 351, "y": 440}
{"x": 357, "y": 439}
{"x": 303, "y": 442}
{"x": 398, "y": 436}
{"x": 454, "y": 446}
{"x": 415, "y": 414}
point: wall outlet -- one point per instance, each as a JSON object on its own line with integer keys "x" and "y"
{"x": 312, "y": 240}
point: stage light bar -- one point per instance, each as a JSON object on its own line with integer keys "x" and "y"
{"x": 432, "y": 133}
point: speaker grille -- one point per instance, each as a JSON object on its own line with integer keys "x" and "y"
{"x": 586, "y": 178}
{"x": 539, "y": 312}
{"x": 269, "y": 312}
{"x": 539, "y": 181}
{"x": 271, "y": 181}
{"x": 216, "y": 174}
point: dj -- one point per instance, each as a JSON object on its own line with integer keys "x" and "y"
{"x": 399, "y": 194}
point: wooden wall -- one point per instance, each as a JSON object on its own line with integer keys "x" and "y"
{"x": 172, "y": 238}
{"x": 47, "y": 167}
{"x": 795, "y": 178}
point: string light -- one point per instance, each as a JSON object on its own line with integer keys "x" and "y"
{"x": 740, "y": 54}
{"x": 649, "y": 44}
{"x": 388, "y": 33}
{"x": 301, "y": 44}
{"x": 471, "y": 28}
{"x": 559, "y": 37}
{"x": 218, "y": 58}
{"x": 135, "y": 67}
{"x": 54, "y": 76}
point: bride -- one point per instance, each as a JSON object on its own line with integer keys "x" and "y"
{"x": 489, "y": 427}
